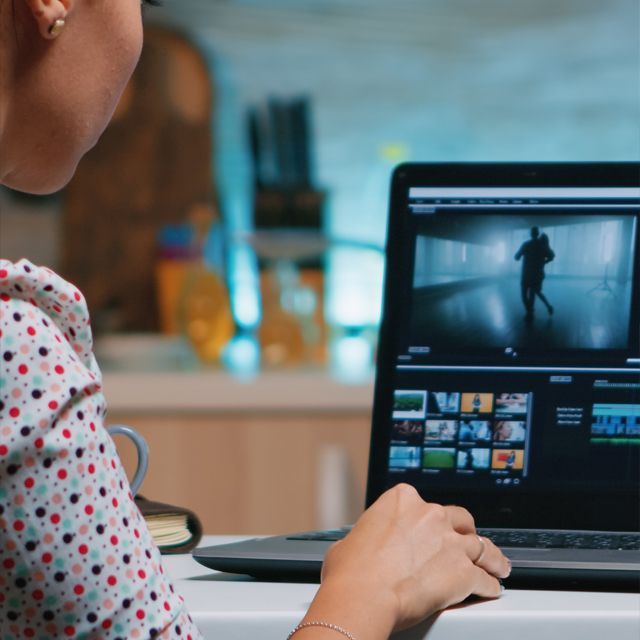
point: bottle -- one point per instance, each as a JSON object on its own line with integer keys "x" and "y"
{"x": 206, "y": 316}
{"x": 174, "y": 259}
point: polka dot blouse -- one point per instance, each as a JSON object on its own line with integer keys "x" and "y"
{"x": 76, "y": 559}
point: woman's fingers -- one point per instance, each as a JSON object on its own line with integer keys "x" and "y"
{"x": 485, "y": 585}
{"x": 481, "y": 551}
{"x": 485, "y": 555}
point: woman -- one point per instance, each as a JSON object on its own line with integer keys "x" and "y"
{"x": 503, "y": 431}
{"x": 77, "y": 559}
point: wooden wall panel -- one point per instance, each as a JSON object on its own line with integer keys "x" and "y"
{"x": 248, "y": 473}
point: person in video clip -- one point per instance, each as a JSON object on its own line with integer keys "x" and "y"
{"x": 465, "y": 459}
{"x": 503, "y": 432}
{"x": 535, "y": 254}
{"x": 409, "y": 431}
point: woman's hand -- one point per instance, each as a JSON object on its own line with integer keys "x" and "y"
{"x": 404, "y": 560}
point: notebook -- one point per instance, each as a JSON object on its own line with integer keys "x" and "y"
{"x": 508, "y": 368}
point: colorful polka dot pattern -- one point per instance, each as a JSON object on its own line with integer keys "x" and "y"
{"x": 76, "y": 558}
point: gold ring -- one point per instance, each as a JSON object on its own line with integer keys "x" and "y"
{"x": 483, "y": 547}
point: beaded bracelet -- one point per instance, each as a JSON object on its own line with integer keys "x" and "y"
{"x": 326, "y": 625}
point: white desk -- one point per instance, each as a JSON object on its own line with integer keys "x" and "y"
{"x": 238, "y": 608}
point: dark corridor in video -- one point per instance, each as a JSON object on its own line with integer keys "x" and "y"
{"x": 471, "y": 292}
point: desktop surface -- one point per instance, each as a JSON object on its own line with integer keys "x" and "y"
{"x": 241, "y": 608}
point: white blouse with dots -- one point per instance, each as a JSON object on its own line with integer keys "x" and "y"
{"x": 76, "y": 558}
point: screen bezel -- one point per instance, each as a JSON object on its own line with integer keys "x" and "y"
{"x": 568, "y": 509}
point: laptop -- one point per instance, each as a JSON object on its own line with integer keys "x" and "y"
{"x": 508, "y": 369}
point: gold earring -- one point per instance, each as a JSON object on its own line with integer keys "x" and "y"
{"x": 56, "y": 27}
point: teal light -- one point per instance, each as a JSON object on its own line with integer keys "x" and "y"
{"x": 351, "y": 358}
{"x": 244, "y": 286}
{"x": 242, "y": 356}
{"x": 354, "y": 287}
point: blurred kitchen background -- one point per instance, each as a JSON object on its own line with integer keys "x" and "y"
{"x": 228, "y": 230}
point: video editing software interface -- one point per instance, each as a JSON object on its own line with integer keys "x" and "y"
{"x": 518, "y": 363}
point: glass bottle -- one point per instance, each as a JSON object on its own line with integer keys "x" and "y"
{"x": 206, "y": 315}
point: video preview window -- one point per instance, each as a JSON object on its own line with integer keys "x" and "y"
{"x": 404, "y": 457}
{"x": 523, "y": 281}
{"x": 409, "y": 404}
{"x": 473, "y": 459}
{"x": 407, "y": 432}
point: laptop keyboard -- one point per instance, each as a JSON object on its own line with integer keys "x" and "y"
{"x": 543, "y": 539}
{"x": 328, "y": 535}
{"x": 540, "y": 539}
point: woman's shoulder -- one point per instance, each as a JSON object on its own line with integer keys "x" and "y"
{"x": 36, "y": 297}
{"x": 36, "y": 280}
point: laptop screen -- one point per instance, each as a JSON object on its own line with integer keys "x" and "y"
{"x": 510, "y": 346}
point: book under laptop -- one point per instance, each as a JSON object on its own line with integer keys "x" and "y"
{"x": 508, "y": 369}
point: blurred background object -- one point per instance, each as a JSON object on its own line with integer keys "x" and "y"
{"x": 151, "y": 166}
{"x": 289, "y": 236}
{"x": 202, "y": 307}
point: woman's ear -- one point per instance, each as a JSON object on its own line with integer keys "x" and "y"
{"x": 50, "y": 15}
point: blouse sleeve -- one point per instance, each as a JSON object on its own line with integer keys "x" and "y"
{"x": 76, "y": 558}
